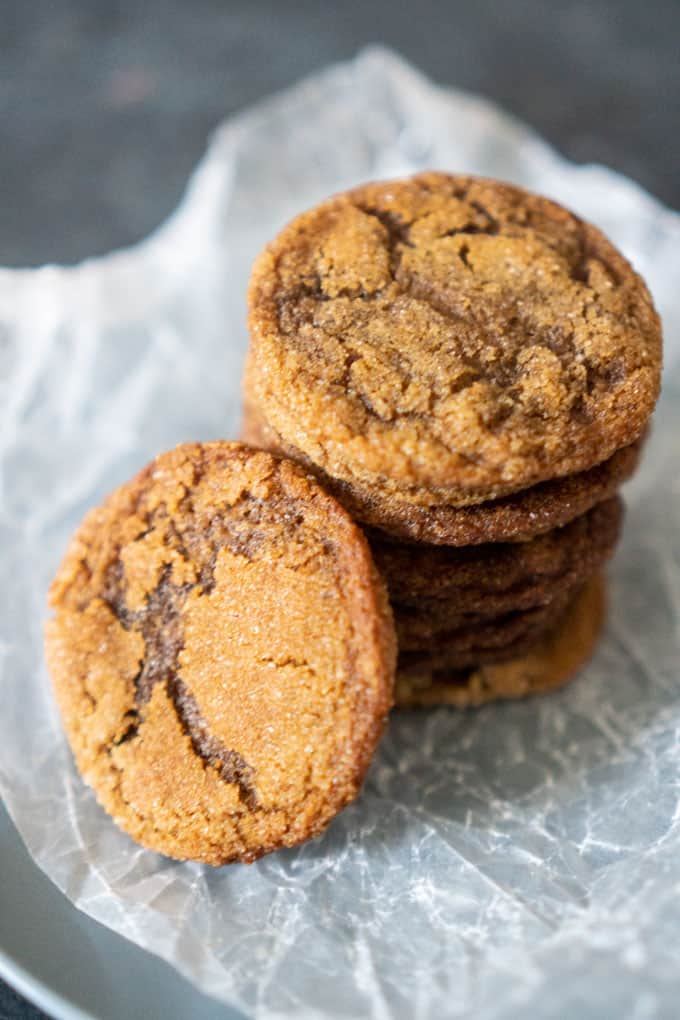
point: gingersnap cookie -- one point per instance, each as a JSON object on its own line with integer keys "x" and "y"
{"x": 497, "y": 578}
{"x": 446, "y": 341}
{"x": 447, "y": 662}
{"x": 515, "y": 518}
{"x": 549, "y": 664}
{"x": 464, "y": 637}
{"x": 222, "y": 654}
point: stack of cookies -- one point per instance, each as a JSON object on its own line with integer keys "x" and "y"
{"x": 469, "y": 369}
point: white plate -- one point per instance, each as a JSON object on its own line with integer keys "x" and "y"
{"x": 72, "y": 967}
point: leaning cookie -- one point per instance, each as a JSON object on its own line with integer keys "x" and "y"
{"x": 549, "y": 664}
{"x": 222, "y": 653}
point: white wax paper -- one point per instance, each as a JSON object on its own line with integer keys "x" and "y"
{"x": 519, "y": 860}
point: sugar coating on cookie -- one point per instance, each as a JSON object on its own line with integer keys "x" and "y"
{"x": 451, "y": 340}
{"x": 222, "y": 654}
{"x": 516, "y": 517}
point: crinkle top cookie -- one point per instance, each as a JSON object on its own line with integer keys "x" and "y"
{"x": 450, "y": 338}
{"x": 222, "y": 653}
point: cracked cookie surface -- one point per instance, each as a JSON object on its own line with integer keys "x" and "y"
{"x": 450, "y": 340}
{"x": 222, "y": 653}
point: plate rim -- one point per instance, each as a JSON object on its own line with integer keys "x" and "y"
{"x": 37, "y": 992}
{"x": 22, "y": 970}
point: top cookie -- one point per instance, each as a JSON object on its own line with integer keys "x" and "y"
{"x": 451, "y": 339}
{"x": 222, "y": 653}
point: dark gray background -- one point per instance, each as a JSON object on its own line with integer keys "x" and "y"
{"x": 106, "y": 106}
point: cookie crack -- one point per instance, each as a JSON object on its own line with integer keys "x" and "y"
{"x": 161, "y": 627}
{"x": 229, "y": 764}
{"x": 486, "y": 332}
{"x": 493, "y": 226}
{"x": 398, "y": 233}
{"x": 286, "y": 660}
{"x": 579, "y": 270}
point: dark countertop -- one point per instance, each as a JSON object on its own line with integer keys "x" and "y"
{"x": 106, "y": 105}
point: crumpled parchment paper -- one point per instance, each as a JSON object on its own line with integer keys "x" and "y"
{"x": 518, "y": 860}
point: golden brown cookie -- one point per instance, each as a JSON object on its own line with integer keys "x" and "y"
{"x": 497, "y": 577}
{"x": 222, "y": 654}
{"x": 551, "y": 662}
{"x": 446, "y": 340}
{"x": 517, "y": 517}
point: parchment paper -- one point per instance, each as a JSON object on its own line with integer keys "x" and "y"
{"x": 513, "y": 861}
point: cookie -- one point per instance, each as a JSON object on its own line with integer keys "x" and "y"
{"x": 446, "y": 341}
{"x": 549, "y": 664}
{"x": 513, "y": 518}
{"x": 497, "y": 578}
{"x": 468, "y": 638}
{"x": 443, "y": 661}
{"x": 222, "y": 653}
